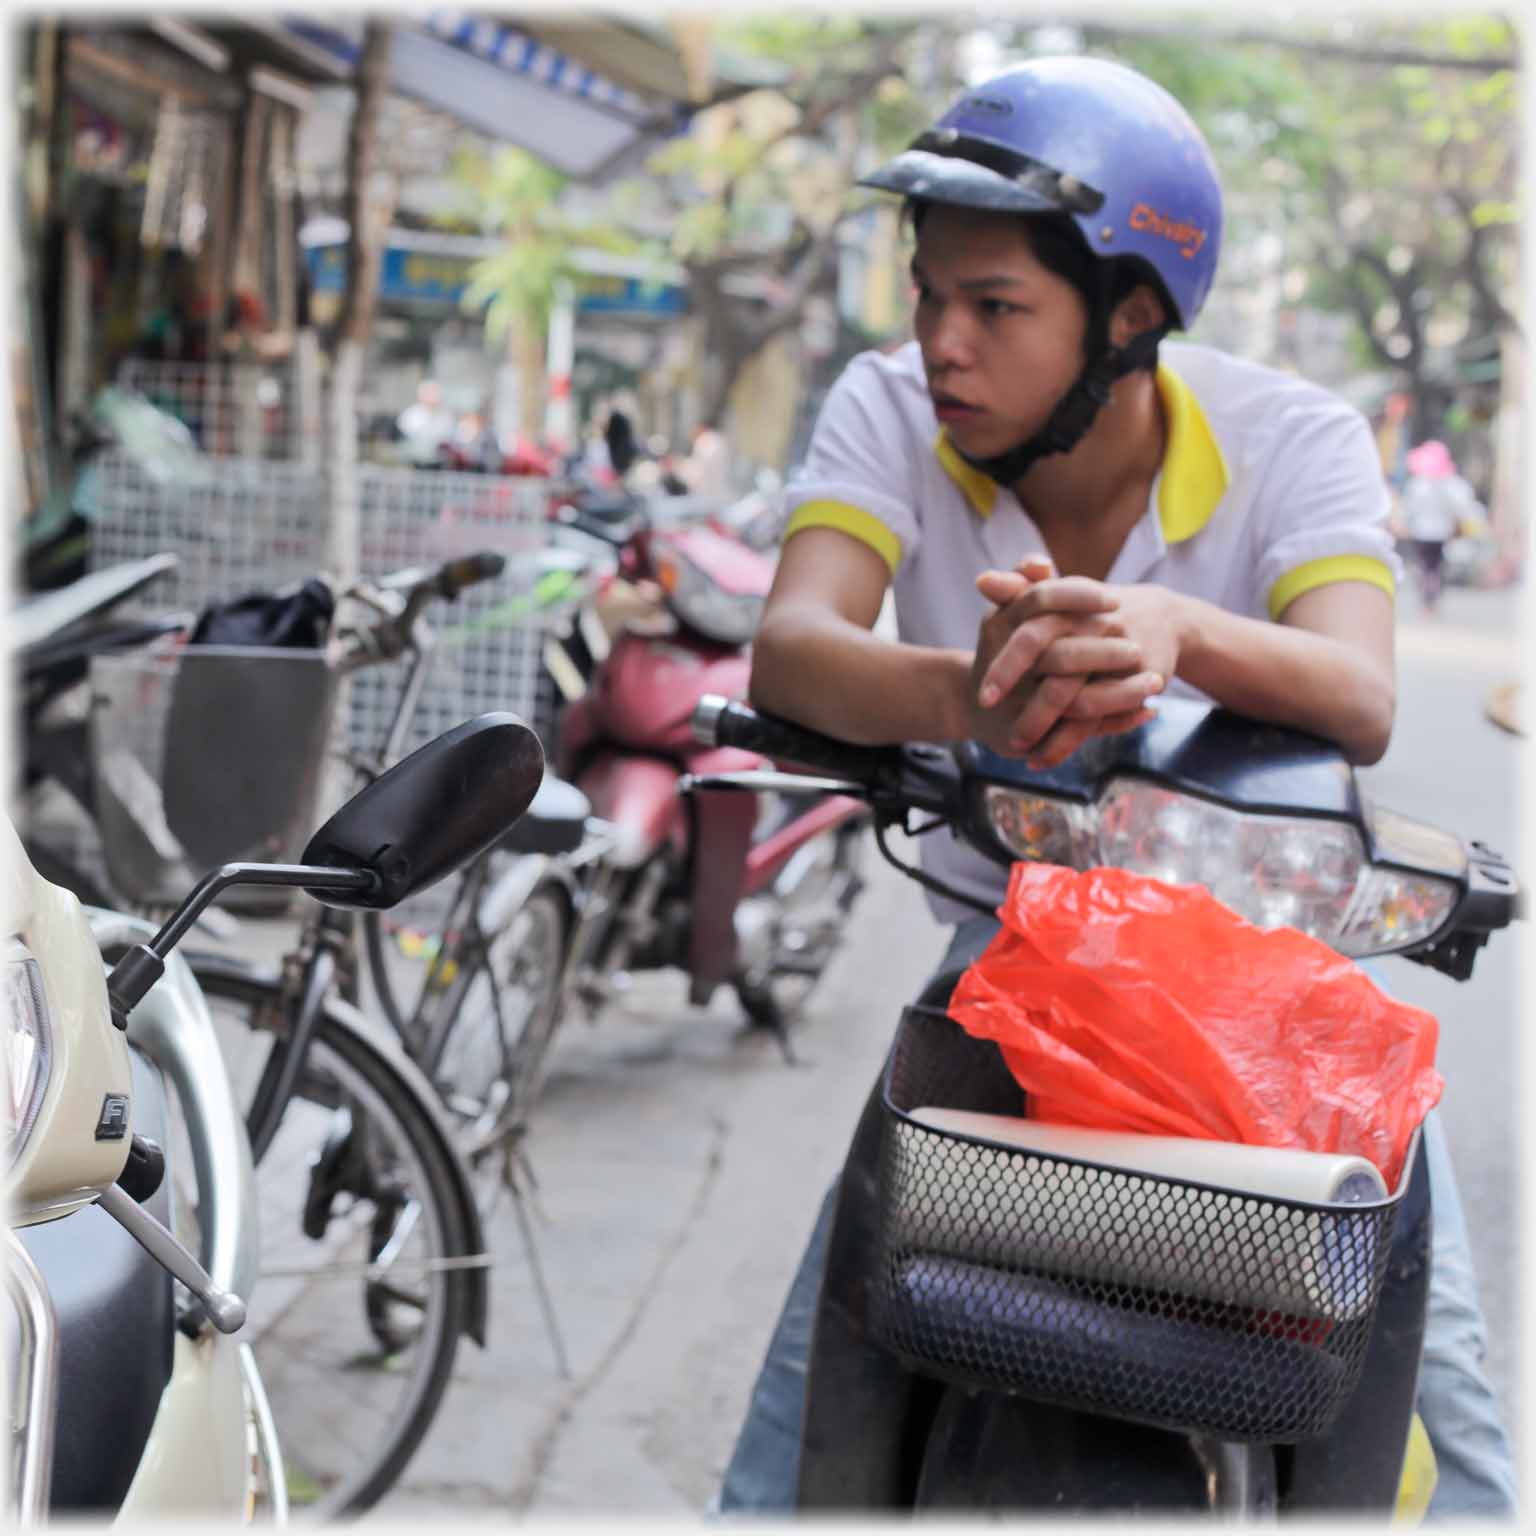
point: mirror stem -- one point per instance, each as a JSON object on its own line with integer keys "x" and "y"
{"x": 144, "y": 964}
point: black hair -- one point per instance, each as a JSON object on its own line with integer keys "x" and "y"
{"x": 1059, "y": 246}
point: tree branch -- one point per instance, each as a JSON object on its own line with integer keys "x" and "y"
{"x": 1473, "y": 266}
{"x": 852, "y": 89}
{"x": 1483, "y": 64}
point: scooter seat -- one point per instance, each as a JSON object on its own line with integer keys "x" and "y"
{"x": 554, "y": 821}
{"x": 606, "y": 509}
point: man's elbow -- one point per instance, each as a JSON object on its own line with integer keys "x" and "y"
{"x": 1371, "y": 731}
{"x": 765, "y": 682}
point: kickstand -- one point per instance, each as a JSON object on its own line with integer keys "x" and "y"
{"x": 518, "y": 1158}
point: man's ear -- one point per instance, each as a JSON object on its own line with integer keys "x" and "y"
{"x": 1140, "y": 310}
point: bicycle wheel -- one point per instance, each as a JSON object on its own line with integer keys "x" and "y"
{"x": 490, "y": 1066}
{"x": 354, "y": 1326}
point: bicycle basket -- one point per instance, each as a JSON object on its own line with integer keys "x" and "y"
{"x": 205, "y": 755}
{"x": 1173, "y": 1303}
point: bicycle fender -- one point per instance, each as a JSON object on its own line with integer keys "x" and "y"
{"x": 511, "y": 890}
{"x": 394, "y": 1062}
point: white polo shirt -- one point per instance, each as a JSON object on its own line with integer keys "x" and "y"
{"x": 1269, "y": 487}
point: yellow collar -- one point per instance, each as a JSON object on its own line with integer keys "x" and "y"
{"x": 980, "y": 489}
{"x": 1194, "y": 475}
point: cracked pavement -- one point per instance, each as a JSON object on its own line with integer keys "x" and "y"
{"x": 679, "y": 1167}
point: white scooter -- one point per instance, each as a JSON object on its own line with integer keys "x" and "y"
{"x": 129, "y": 1395}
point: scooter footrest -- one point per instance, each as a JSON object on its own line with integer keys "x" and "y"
{"x": 1114, "y": 1354}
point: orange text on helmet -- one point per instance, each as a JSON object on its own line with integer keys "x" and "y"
{"x": 1188, "y": 237}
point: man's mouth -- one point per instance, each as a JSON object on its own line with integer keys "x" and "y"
{"x": 949, "y": 407}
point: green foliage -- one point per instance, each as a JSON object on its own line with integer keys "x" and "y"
{"x": 1344, "y": 159}
{"x": 790, "y": 36}
{"x": 515, "y": 195}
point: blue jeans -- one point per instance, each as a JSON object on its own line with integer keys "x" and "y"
{"x": 1455, "y": 1400}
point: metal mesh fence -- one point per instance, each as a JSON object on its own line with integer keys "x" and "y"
{"x": 240, "y": 525}
{"x": 1159, "y": 1300}
{"x": 245, "y": 525}
{"x": 233, "y": 409}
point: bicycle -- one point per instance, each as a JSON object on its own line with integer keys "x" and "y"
{"x": 364, "y": 1196}
{"x": 509, "y": 974}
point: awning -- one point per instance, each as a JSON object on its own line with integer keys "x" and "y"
{"x": 508, "y": 86}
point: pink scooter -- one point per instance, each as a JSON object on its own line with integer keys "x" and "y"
{"x": 751, "y": 888}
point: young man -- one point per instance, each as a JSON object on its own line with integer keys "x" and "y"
{"x": 1074, "y": 520}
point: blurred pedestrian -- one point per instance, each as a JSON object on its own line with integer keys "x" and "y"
{"x": 1436, "y": 499}
{"x": 426, "y": 426}
{"x": 707, "y": 469}
{"x": 619, "y": 435}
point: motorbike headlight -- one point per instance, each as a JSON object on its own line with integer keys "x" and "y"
{"x": 731, "y": 618}
{"x": 1041, "y": 828}
{"x": 1300, "y": 872}
{"x": 27, "y": 1045}
{"x": 1394, "y": 909}
{"x": 1277, "y": 871}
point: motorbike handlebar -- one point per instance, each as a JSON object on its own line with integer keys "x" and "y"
{"x": 721, "y": 722}
{"x": 468, "y": 571}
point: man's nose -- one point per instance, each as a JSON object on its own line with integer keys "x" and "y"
{"x": 946, "y": 339}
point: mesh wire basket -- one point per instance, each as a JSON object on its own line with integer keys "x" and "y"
{"x": 1168, "y": 1302}
{"x": 202, "y": 755}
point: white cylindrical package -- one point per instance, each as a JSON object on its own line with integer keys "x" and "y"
{"x": 1116, "y": 1220}
{"x": 1281, "y": 1173}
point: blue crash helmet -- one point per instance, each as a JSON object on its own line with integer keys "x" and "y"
{"x": 1116, "y": 154}
{"x": 1088, "y": 138}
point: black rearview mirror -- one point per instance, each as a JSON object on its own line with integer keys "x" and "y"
{"x": 433, "y": 811}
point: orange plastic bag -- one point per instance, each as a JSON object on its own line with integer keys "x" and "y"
{"x": 1128, "y": 1004}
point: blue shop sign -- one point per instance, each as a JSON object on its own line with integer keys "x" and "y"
{"x": 404, "y": 275}
{"x": 630, "y": 296}
{"x": 430, "y": 277}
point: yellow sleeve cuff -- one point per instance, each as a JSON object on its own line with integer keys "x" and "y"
{"x": 1323, "y": 573}
{"x": 854, "y": 521}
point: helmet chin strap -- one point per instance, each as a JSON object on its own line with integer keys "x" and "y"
{"x": 1075, "y": 412}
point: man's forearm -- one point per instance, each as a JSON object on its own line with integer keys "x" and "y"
{"x": 836, "y": 677}
{"x": 1289, "y": 676}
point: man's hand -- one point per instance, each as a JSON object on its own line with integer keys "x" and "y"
{"x": 1055, "y": 664}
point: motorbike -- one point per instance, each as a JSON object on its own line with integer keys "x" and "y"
{"x": 750, "y": 892}
{"x": 129, "y": 1396}
{"x": 53, "y": 636}
{"x": 54, "y": 541}
{"x": 1016, "y": 1318}
{"x": 130, "y": 1392}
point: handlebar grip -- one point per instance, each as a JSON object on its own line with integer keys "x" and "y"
{"x": 467, "y": 571}
{"x": 721, "y": 722}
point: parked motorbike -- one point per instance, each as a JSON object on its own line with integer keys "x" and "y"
{"x": 751, "y": 892}
{"x": 129, "y": 1397}
{"x": 55, "y": 539}
{"x": 53, "y": 637}
{"x": 129, "y": 1393}
{"x": 1009, "y": 1323}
